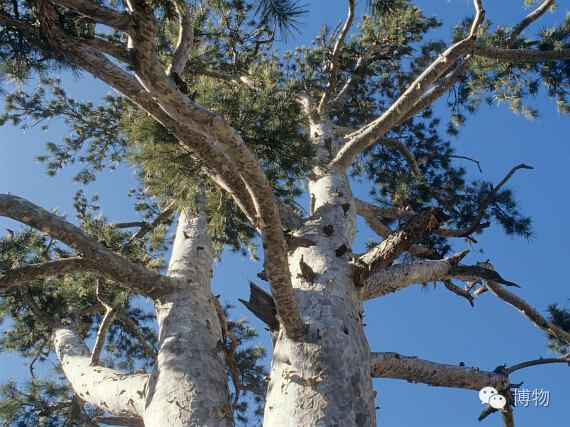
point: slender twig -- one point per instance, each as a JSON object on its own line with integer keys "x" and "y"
{"x": 529, "y": 19}
{"x": 334, "y": 62}
{"x": 134, "y": 328}
{"x": 479, "y": 16}
{"x": 459, "y": 291}
{"x": 468, "y": 158}
{"x": 539, "y": 361}
{"x": 529, "y": 312}
{"x": 491, "y": 196}
{"x": 103, "y": 327}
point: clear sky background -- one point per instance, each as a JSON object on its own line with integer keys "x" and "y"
{"x": 432, "y": 324}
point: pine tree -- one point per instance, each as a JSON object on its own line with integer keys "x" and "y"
{"x": 227, "y": 134}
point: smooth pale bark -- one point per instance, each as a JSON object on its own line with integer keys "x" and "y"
{"x": 188, "y": 384}
{"x": 107, "y": 389}
{"x": 323, "y": 379}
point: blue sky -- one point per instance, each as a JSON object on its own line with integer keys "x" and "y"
{"x": 432, "y": 324}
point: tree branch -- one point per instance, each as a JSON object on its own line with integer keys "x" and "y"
{"x": 539, "y": 361}
{"x": 399, "y": 276}
{"x": 334, "y": 62}
{"x": 146, "y": 227}
{"x": 453, "y": 77}
{"x": 394, "y": 365}
{"x": 370, "y": 215}
{"x": 529, "y": 312}
{"x": 181, "y": 108}
{"x": 401, "y": 148}
{"x": 103, "y": 327}
{"x": 132, "y": 326}
{"x": 107, "y": 389}
{"x": 354, "y": 78}
{"x": 185, "y": 38}
{"x": 119, "y": 421}
{"x": 387, "y": 251}
{"x": 529, "y": 19}
{"x": 489, "y": 199}
{"x": 479, "y": 16}
{"x": 31, "y": 272}
{"x": 120, "y": 21}
{"x": 112, "y": 265}
{"x": 102, "y": 334}
{"x": 369, "y": 134}
{"x": 108, "y": 47}
{"x": 519, "y": 55}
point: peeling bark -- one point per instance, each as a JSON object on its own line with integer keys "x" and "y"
{"x": 107, "y": 389}
{"x": 324, "y": 378}
{"x": 188, "y": 385}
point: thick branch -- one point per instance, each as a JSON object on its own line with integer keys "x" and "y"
{"x": 109, "y": 47}
{"x": 529, "y": 312}
{"x": 387, "y": 251}
{"x": 107, "y": 389}
{"x": 394, "y": 365}
{"x": 432, "y": 95}
{"x": 218, "y": 166}
{"x": 370, "y": 215}
{"x": 31, "y": 272}
{"x": 119, "y": 421}
{"x": 529, "y": 19}
{"x": 519, "y": 55}
{"x": 120, "y": 21}
{"x": 362, "y": 139}
{"x": 181, "y": 108}
{"x": 334, "y": 62}
{"x": 118, "y": 268}
{"x": 399, "y": 276}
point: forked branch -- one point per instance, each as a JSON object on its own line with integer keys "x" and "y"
{"x": 131, "y": 275}
{"x": 334, "y": 65}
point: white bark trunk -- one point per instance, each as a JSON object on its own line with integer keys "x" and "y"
{"x": 324, "y": 378}
{"x": 107, "y": 389}
{"x": 188, "y": 386}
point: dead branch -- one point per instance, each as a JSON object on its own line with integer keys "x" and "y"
{"x": 334, "y": 65}
{"x": 413, "y": 369}
{"x": 529, "y": 312}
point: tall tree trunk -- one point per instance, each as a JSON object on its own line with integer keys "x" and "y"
{"x": 324, "y": 378}
{"x": 188, "y": 385}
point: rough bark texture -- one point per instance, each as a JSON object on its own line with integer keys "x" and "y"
{"x": 323, "y": 379}
{"x": 107, "y": 389}
{"x": 394, "y": 365}
{"x": 188, "y": 384}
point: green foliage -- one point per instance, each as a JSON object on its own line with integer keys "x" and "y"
{"x": 234, "y": 38}
{"x": 94, "y": 139}
{"x": 560, "y": 316}
{"x": 40, "y": 402}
